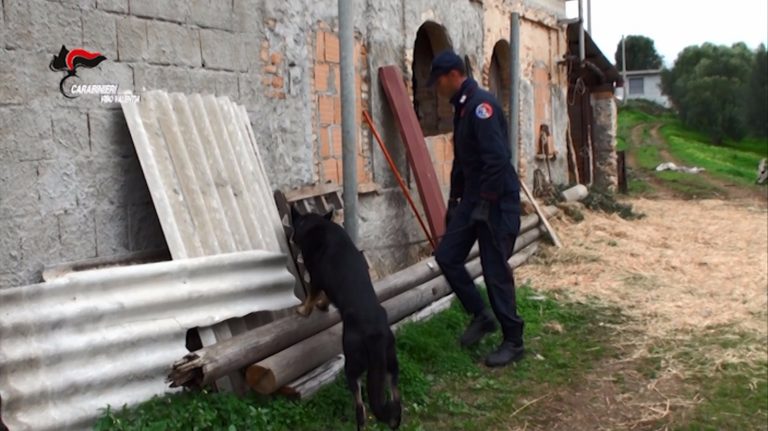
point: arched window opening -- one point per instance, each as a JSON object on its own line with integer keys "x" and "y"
{"x": 435, "y": 113}
{"x": 499, "y": 82}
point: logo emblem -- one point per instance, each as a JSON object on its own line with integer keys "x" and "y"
{"x": 484, "y": 111}
{"x": 69, "y": 61}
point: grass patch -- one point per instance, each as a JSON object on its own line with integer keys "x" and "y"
{"x": 647, "y": 157}
{"x": 691, "y": 186}
{"x": 600, "y": 200}
{"x": 636, "y": 186}
{"x": 734, "y": 395}
{"x": 734, "y": 161}
{"x": 735, "y": 398}
{"x": 443, "y": 386}
{"x": 628, "y": 119}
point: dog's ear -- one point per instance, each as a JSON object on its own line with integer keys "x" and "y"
{"x": 329, "y": 215}
{"x": 294, "y": 214}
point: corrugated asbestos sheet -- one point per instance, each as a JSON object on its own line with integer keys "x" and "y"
{"x": 72, "y": 346}
{"x": 208, "y": 184}
{"x": 204, "y": 173}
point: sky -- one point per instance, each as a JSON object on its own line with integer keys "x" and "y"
{"x": 675, "y": 24}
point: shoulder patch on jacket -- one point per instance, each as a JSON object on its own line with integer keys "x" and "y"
{"x": 484, "y": 111}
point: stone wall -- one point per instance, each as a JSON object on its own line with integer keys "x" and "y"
{"x": 71, "y": 186}
{"x": 605, "y": 118}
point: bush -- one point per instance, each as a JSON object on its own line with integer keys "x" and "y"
{"x": 720, "y": 90}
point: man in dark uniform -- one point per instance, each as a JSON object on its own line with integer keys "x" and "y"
{"x": 484, "y": 205}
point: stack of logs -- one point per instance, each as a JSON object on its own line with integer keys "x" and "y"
{"x": 297, "y": 355}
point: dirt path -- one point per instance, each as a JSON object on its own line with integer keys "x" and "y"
{"x": 689, "y": 269}
{"x": 732, "y": 190}
{"x": 636, "y": 140}
{"x": 719, "y": 188}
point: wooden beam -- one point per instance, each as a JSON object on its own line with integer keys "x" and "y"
{"x": 542, "y": 216}
{"x": 432, "y": 200}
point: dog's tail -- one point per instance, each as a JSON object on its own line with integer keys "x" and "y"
{"x": 384, "y": 410}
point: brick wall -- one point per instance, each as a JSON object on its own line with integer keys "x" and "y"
{"x": 327, "y": 94}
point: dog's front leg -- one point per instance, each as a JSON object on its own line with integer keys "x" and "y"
{"x": 323, "y": 302}
{"x": 313, "y": 296}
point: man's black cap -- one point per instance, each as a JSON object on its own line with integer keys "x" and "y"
{"x": 445, "y": 62}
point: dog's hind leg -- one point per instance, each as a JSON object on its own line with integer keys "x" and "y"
{"x": 393, "y": 375}
{"x": 355, "y": 364}
{"x": 357, "y": 390}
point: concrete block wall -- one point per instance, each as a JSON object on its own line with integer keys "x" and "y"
{"x": 71, "y": 186}
{"x": 70, "y": 183}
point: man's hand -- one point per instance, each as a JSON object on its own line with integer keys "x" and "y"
{"x": 452, "y": 205}
{"x": 482, "y": 212}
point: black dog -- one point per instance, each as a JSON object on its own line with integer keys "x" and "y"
{"x": 338, "y": 269}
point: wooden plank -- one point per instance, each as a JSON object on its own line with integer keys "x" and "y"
{"x": 542, "y": 216}
{"x": 284, "y": 209}
{"x": 311, "y": 191}
{"x": 418, "y": 154}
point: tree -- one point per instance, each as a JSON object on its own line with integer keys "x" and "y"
{"x": 709, "y": 87}
{"x": 641, "y": 54}
{"x": 757, "y": 96}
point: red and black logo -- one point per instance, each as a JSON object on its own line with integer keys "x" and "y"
{"x": 69, "y": 61}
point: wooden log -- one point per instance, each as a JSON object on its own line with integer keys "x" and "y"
{"x": 274, "y": 372}
{"x": 310, "y": 383}
{"x": 203, "y": 366}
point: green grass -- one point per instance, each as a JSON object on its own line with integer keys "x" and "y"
{"x": 691, "y": 186}
{"x": 647, "y": 157}
{"x": 443, "y": 386}
{"x": 637, "y": 186}
{"x": 734, "y": 161}
{"x": 629, "y": 118}
{"x": 735, "y": 398}
{"x": 735, "y": 395}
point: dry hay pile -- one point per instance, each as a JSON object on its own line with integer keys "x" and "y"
{"x": 688, "y": 271}
{"x": 687, "y": 266}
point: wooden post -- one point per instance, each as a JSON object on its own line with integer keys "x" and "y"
{"x": 621, "y": 166}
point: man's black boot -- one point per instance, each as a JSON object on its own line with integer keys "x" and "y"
{"x": 506, "y": 353}
{"x": 482, "y": 324}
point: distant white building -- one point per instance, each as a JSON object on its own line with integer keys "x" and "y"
{"x": 646, "y": 84}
